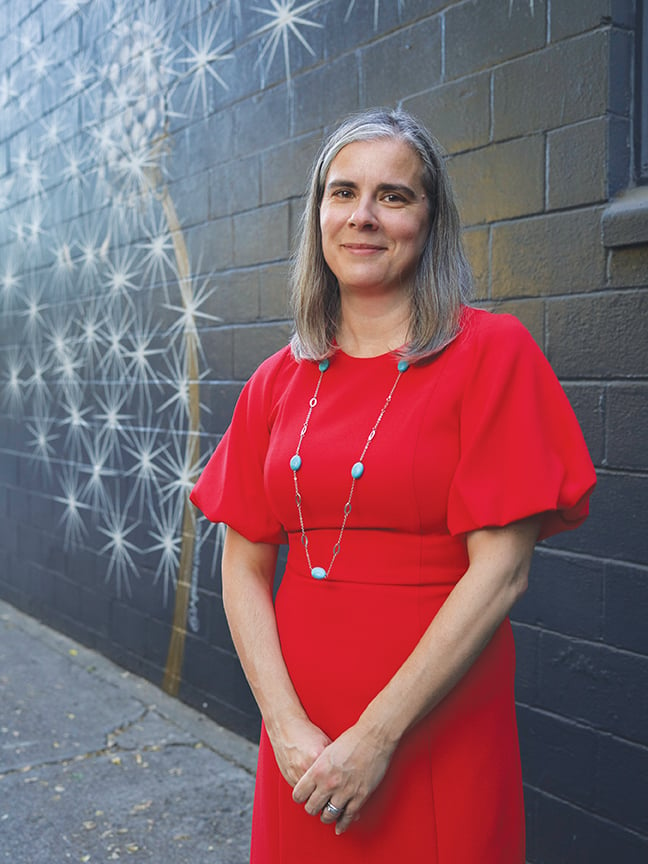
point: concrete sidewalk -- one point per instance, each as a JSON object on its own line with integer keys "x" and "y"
{"x": 98, "y": 765}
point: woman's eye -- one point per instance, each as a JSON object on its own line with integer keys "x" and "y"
{"x": 393, "y": 198}
{"x": 342, "y": 193}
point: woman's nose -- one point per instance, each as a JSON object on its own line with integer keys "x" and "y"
{"x": 363, "y": 215}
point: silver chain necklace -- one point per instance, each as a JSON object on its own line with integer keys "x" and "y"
{"x": 357, "y": 469}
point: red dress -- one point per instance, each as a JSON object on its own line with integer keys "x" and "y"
{"x": 481, "y": 436}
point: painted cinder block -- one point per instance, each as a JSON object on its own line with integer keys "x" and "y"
{"x": 626, "y": 607}
{"x": 404, "y": 62}
{"x": 577, "y": 164}
{"x": 578, "y": 582}
{"x": 456, "y": 112}
{"x": 558, "y": 253}
{"x": 599, "y": 336}
{"x": 513, "y": 29}
{"x": 594, "y": 685}
{"x": 559, "y": 85}
{"x": 558, "y": 756}
{"x": 627, "y": 426}
{"x": 501, "y": 181}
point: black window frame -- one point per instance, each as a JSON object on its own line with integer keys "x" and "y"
{"x": 641, "y": 94}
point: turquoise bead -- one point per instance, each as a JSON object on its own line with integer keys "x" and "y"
{"x": 323, "y": 366}
{"x": 295, "y": 462}
{"x": 403, "y": 366}
{"x": 318, "y": 573}
{"x": 357, "y": 470}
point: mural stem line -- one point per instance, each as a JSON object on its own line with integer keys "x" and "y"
{"x": 175, "y": 656}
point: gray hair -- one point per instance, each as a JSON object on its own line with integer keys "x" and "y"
{"x": 443, "y": 281}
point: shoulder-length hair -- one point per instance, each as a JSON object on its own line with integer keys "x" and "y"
{"x": 443, "y": 280}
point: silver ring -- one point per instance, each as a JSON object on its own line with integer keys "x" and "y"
{"x": 333, "y": 810}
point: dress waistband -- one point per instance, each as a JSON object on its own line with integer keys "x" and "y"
{"x": 376, "y": 556}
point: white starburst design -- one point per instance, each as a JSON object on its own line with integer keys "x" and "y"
{"x": 76, "y": 437}
{"x": 34, "y": 309}
{"x": 180, "y": 386}
{"x": 9, "y": 284}
{"x": 13, "y": 394}
{"x": 119, "y": 277}
{"x": 182, "y": 471}
{"x": 7, "y": 93}
{"x": 191, "y": 309}
{"x": 169, "y": 541}
{"x": 158, "y": 249}
{"x": 140, "y": 370}
{"x": 36, "y": 386}
{"x": 286, "y": 18}
{"x": 75, "y": 529}
{"x": 81, "y": 74}
{"x": 41, "y": 443}
{"x": 112, "y": 417}
{"x": 95, "y": 491}
{"x": 90, "y": 338}
{"x": 201, "y": 60}
{"x": 114, "y": 362}
{"x": 145, "y": 471}
{"x": 40, "y": 62}
{"x": 92, "y": 253}
{"x": 121, "y": 564}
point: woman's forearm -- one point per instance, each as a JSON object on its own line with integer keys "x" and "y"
{"x": 483, "y": 597}
{"x": 247, "y": 597}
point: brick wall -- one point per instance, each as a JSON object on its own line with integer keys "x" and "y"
{"x": 152, "y": 163}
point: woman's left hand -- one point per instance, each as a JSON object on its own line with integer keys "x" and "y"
{"x": 345, "y": 773}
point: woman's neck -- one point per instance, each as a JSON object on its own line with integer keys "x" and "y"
{"x": 368, "y": 329}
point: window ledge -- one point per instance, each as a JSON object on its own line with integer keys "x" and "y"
{"x": 625, "y": 220}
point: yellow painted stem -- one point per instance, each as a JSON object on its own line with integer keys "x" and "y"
{"x": 175, "y": 655}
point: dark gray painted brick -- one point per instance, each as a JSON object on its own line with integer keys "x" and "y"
{"x": 625, "y": 805}
{"x": 570, "y": 19}
{"x": 527, "y": 95}
{"x": 261, "y": 235}
{"x": 626, "y": 607}
{"x": 577, "y": 164}
{"x": 599, "y": 336}
{"x": 558, "y": 756}
{"x": 531, "y": 313}
{"x": 627, "y": 426}
{"x": 477, "y": 244}
{"x": 628, "y": 265}
{"x": 588, "y": 402}
{"x": 274, "y": 291}
{"x": 253, "y": 344}
{"x": 406, "y": 62}
{"x": 285, "y": 170}
{"x": 479, "y": 35}
{"x": 527, "y": 657}
{"x": 558, "y": 253}
{"x": 595, "y": 685}
{"x": 457, "y": 113}
{"x": 604, "y": 534}
{"x": 261, "y": 121}
{"x": 502, "y": 181}
{"x": 565, "y": 595}
{"x": 569, "y": 835}
{"x": 326, "y": 94}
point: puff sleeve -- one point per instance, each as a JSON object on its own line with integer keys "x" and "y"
{"x": 522, "y": 451}
{"x": 231, "y": 487}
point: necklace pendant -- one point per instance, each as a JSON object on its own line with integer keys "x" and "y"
{"x": 318, "y": 573}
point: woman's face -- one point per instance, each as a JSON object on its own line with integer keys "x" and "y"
{"x": 374, "y": 216}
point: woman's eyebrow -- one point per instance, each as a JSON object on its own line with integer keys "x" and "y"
{"x": 382, "y": 187}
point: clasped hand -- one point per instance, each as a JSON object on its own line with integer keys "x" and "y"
{"x": 345, "y": 773}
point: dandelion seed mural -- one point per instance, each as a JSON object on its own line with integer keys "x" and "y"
{"x": 103, "y": 301}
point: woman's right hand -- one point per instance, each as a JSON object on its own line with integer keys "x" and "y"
{"x": 297, "y": 744}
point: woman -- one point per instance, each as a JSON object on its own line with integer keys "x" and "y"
{"x": 411, "y": 451}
